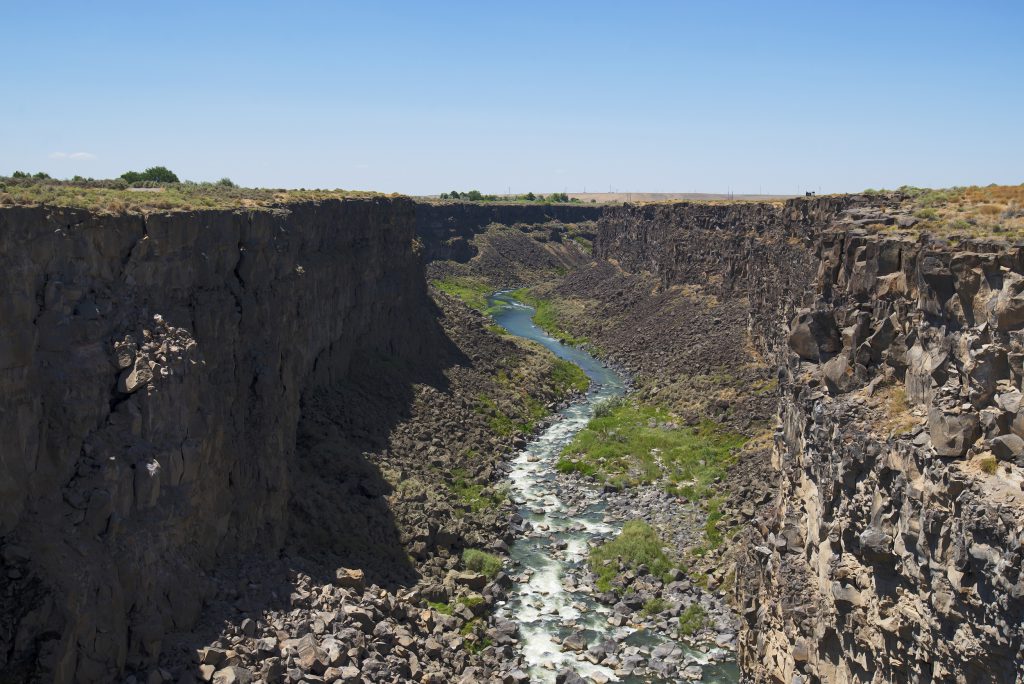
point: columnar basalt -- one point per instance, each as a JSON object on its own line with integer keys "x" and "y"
{"x": 894, "y": 553}
{"x": 890, "y": 549}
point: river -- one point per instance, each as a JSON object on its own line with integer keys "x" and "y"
{"x": 560, "y": 536}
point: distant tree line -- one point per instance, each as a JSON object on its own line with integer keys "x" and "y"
{"x": 153, "y": 176}
{"x": 477, "y": 196}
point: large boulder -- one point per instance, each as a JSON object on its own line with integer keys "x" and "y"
{"x": 814, "y": 336}
{"x": 952, "y": 433}
{"x": 1008, "y": 304}
{"x": 1007, "y": 447}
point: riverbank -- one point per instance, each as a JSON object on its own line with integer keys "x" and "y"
{"x": 569, "y": 626}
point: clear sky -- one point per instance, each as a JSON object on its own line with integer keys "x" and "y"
{"x": 424, "y": 97}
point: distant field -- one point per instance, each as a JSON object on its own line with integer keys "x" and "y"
{"x": 618, "y": 197}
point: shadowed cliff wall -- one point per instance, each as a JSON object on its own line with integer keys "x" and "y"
{"x": 151, "y": 371}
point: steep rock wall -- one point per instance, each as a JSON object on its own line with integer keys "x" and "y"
{"x": 151, "y": 372}
{"x": 894, "y": 552}
{"x": 446, "y": 228}
{"x": 758, "y": 251}
{"x": 890, "y": 547}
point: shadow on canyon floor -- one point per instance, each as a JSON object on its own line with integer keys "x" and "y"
{"x": 339, "y": 513}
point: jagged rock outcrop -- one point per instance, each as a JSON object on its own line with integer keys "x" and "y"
{"x": 894, "y": 553}
{"x": 889, "y": 549}
{"x": 151, "y": 372}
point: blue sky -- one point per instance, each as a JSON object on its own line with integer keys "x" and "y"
{"x": 421, "y": 97}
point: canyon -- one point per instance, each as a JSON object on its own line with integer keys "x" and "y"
{"x": 257, "y": 444}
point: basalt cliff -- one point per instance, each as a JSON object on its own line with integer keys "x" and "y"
{"x": 251, "y": 444}
{"x": 888, "y": 547}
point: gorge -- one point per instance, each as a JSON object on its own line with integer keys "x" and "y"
{"x": 292, "y": 442}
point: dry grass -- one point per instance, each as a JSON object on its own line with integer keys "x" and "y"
{"x": 898, "y": 418}
{"x": 991, "y": 211}
{"x": 109, "y": 197}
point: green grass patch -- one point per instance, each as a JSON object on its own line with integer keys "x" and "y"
{"x": 485, "y": 563}
{"x": 546, "y": 316}
{"x": 567, "y": 377}
{"x": 711, "y": 531}
{"x": 692, "y": 619}
{"x": 638, "y": 544}
{"x": 477, "y": 496}
{"x": 584, "y": 243}
{"x": 440, "y": 607}
{"x": 472, "y": 291}
{"x": 633, "y": 444}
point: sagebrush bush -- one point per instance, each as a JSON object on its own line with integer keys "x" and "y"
{"x": 485, "y": 563}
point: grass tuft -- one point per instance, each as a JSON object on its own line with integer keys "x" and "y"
{"x": 638, "y": 544}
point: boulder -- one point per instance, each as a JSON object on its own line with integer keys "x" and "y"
{"x": 232, "y": 675}
{"x": 350, "y": 579}
{"x": 576, "y": 641}
{"x": 952, "y": 434}
{"x": 1007, "y": 447}
{"x": 814, "y": 336}
{"x": 1007, "y": 306}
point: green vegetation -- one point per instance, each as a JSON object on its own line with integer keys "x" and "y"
{"x": 154, "y": 174}
{"x": 587, "y": 245}
{"x": 638, "y": 544}
{"x": 474, "y": 630}
{"x": 472, "y": 291}
{"x": 114, "y": 196}
{"x": 477, "y": 496}
{"x": 692, "y": 619}
{"x": 36, "y": 176}
{"x": 988, "y": 464}
{"x": 477, "y": 196}
{"x": 631, "y": 444}
{"x": 568, "y": 376}
{"x": 501, "y": 423}
{"x": 713, "y": 506}
{"x": 485, "y": 563}
{"x": 440, "y": 607}
{"x": 654, "y": 606}
{"x": 546, "y": 316}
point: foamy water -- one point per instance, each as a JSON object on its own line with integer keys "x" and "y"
{"x": 539, "y": 601}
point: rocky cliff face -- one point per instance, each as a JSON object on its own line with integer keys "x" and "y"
{"x": 151, "y": 374}
{"x": 889, "y": 546}
{"x": 894, "y": 551}
{"x": 447, "y": 229}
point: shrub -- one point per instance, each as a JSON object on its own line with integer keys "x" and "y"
{"x": 638, "y": 544}
{"x": 654, "y": 606}
{"x": 226, "y": 182}
{"x": 692, "y": 619}
{"x": 485, "y": 563}
{"x": 608, "y": 406}
{"x": 157, "y": 174}
{"x": 988, "y": 465}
